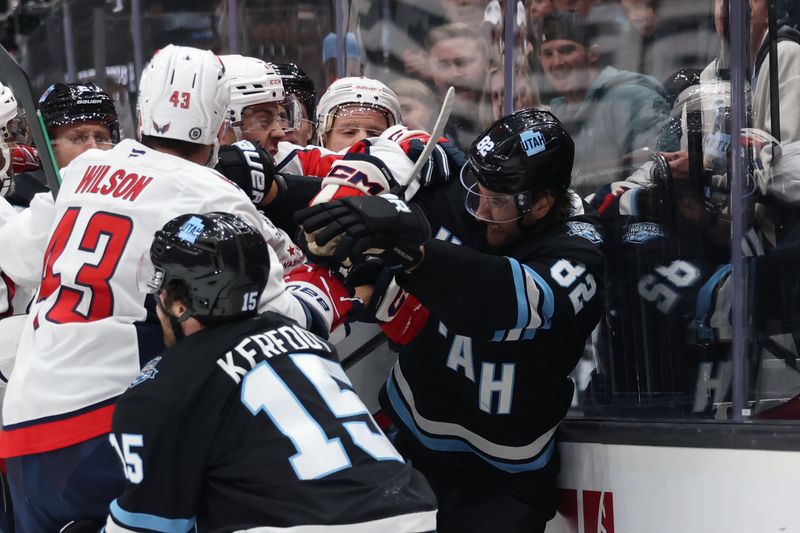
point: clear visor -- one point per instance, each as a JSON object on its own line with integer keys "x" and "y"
{"x": 488, "y": 206}
{"x": 286, "y": 115}
{"x": 291, "y": 115}
{"x": 149, "y": 278}
{"x": 350, "y": 119}
{"x": 17, "y": 129}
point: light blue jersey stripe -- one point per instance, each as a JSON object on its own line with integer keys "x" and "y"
{"x": 151, "y": 522}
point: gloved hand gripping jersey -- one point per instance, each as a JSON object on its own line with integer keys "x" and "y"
{"x": 358, "y": 227}
{"x": 250, "y": 167}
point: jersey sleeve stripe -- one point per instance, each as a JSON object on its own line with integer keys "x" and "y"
{"x": 533, "y": 311}
{"x": 148, "y": 521}
{"x": 525, "y": 300}
{"x": 704, "y": 299}
{"x": 534, "y": 282}
{"x": 628, "y": 204}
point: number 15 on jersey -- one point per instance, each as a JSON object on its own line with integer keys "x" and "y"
{"x": 317, "y": 454}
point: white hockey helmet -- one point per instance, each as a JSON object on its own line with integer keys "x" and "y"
{"x": 252, "y": 82}
{"x": 8, "y": 112}
{"x": 365, "y": 92}
{"x": 184, "y": 94}
{"x": 8, "y": 108}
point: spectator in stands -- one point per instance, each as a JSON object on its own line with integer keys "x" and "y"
{"x": 418, "y": 104}
{"x": 459, "y": 58}
{"x": 581, "y": 7}
{"x": 354, "y": 61}
{"x": 469, "y": 12}
{"x": 537, "y": 10}
{"x": 788, "y": 73}
{"x": 609, "y": 113}
{"x": 526, "y": 93}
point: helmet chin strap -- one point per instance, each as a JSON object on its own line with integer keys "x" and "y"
{"x": 175, "y": 322}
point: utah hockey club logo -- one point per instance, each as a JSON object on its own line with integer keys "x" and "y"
{"x": 588, "y": 511}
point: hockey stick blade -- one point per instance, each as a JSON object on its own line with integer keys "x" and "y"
{"x": 412, "y": 183}
{"x": 13, "y": 75}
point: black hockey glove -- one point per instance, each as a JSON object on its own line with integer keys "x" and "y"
{"x": 249, "y": 166}
{"x": 443, "y": 164}
{"x": 371, "y": 271}
{"x": 358, "y": 227}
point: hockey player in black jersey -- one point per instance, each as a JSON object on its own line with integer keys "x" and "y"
{"x": 248, "y": 421}
{"x": 492, "y": 317}
{"x": 665, "y": 349}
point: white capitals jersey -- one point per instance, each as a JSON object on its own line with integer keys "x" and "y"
{"x": 85, "y": 340}
{"x": 316, "y": 161}
{"x": 13, "y": 299}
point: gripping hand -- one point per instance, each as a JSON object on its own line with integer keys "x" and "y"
{"x": 359, "y": 227}
{"x": 249, "y": 166}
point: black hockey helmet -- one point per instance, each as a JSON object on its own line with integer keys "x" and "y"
{"x": 297, "y": 82}
{"x": 527, "y": 151}
{"x": 679, "y": 81}
{"x": 68, "y": 103}
{"x": 221, "y": 259}
{"x": 518, "y": 155}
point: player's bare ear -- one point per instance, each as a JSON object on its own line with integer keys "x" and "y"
{"x": 542, "y": 205}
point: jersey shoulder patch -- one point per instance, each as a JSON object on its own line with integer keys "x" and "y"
{"x": 586, "y": 230}
{"x": 642, "y": 232}
{"x": 149, "y": 371}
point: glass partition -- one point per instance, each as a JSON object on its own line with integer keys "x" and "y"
{"x": 678, "y": 152}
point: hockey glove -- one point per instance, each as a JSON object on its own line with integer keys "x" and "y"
{"x": 371, "y": 271}
{"x": 355, "y": 174}
{"x": 324, "y": 295}
{"x": 355, "y": 228}
{"x": 24, "y": 158}
{"x": 249, "y": 166}
{"x": 443, "y": 164}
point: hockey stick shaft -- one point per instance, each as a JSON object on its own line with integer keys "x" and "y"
{"x": 13, "y": 74}
{"x": 412, "y": 183}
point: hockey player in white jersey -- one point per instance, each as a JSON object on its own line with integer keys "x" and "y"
{"x": 88, "y": 331}
{"x": 351, "y": 110}
{"x": 355, "y": 108}
{"x": 259, "y": 110}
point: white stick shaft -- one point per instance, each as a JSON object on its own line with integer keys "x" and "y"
{"x": 412, "y": 183}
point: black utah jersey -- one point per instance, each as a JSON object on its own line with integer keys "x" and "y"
{"x": 667, "y": 323}
{"x": 255, "y": 424}
{"x": 488, "y": 373}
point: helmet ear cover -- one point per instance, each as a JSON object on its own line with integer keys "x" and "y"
{"x": 523, "y": 201}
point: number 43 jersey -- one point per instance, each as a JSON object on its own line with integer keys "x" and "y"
{"x": 255, "y": 425}
{"x": 87, "y": 335}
